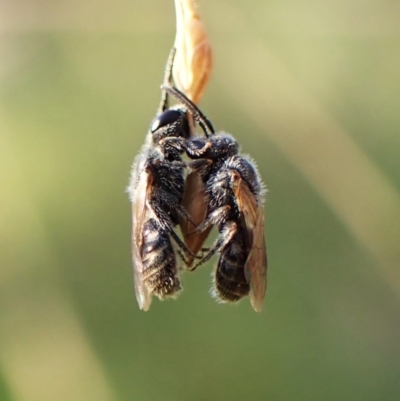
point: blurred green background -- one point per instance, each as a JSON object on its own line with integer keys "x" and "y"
{"x": 312, "y": 91}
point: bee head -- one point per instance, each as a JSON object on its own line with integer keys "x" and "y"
{"x": 171, "y": 123}
{"x": 217, "y": 146}
{"x": 224, "y": 144}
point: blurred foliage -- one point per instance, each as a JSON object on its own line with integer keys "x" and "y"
{"x": 79, "y": 87}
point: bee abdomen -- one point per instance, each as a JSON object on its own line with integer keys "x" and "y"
{"x": 230, "y": 282}
{"x": 160, "y": 272}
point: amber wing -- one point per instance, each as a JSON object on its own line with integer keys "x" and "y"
{"x": 195, "y": 201}
{"x": 256, "y": 263}
{"x": 139, "y": 212}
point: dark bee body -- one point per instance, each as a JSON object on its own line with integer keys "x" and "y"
{"x": 156, "y": 191}
{"x": 233, "y": 197}
{"x": 230, "y": 280}
{"x": 235, "y": 241}
{"x": 159, "y": 262}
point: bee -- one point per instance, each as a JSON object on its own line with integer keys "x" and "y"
{"x": 156, "y": 191}
{"x": 226, "y": 191}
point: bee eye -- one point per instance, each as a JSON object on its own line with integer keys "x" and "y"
{"x": 166, "y": 118}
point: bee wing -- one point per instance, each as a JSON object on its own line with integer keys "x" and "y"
{"x": 256, "y": 264}
{"x": 139, "y": 212}
{"x": 195, "y": 201}
{"x": 255, "y": 267}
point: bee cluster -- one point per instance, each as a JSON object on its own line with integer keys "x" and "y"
{"x": 217, "y": 187}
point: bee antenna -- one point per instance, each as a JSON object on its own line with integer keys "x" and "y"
{"x": 200, "y": 118}
{"x": 167, "y": 81}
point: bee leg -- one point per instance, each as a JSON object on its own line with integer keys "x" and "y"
{"x": 169, "y": 143}
{"x": 226, "y": 235}
{"x": 182, "y": 245}
{"x": 174, "y": 163}
{"x": 197, "y": 148}
{"x": 217, "y": 217}
{"x": 199, "y": 164}
{"x": 201, "y": 227}
{"x": 177, "y": 211}
{"x": 165, "y": 222}
{"x": 186, "y": 261}
{"x": 182, "y": 256}
{"x": 185, "y": 215}
{"x": 178, "y": 164}
{"x": 162, "y": 217}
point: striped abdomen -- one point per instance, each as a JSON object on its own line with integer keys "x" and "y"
{"x": 160, "y": 271}
{"x": 230, "y": 281}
